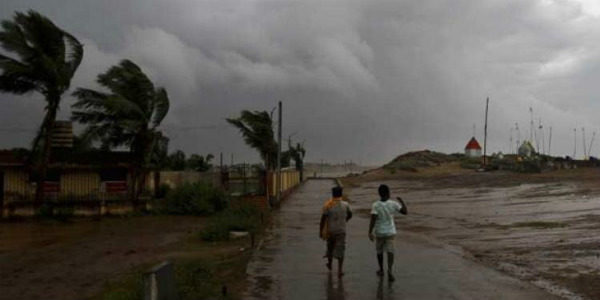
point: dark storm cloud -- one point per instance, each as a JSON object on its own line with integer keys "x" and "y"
{"x": 361, "y": 80}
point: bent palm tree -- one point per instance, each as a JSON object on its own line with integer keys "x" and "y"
{"x": 128, "y": 115}
{"x": 257, "y": 129}
{"x": 298, "y": 153}
{"x": 42, "y": 58}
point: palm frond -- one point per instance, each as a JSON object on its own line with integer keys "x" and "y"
{"x": 75, "y": 52}
{"x": 161, "y": 106}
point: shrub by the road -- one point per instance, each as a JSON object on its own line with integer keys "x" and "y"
{"x": 242, "y": 217}
{"x": 197, "y": 199}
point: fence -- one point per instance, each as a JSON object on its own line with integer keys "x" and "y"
{"x": 244, "y": 180}
{"x": 257, "y": 186}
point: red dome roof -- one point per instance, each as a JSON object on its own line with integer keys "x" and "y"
{"x": 473, "y": 145}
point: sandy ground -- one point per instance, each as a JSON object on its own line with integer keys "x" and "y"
{"x": 63, "y": 261}
{"x": 289, "y": 264}
{"x": 542, "y": 228}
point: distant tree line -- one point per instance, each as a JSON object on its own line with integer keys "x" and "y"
{"x": 177, "y": 161}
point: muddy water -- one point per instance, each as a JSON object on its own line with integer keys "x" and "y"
{"x": 289, "y": 264}
{"x": 543, "y": 233}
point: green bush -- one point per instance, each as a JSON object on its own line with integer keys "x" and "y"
{"x": 198, "y": 199}
{"x": 470, "y": 163}
{"x": 196, "y": 280}
{"x": 243, "y": 217}
{"x": 529, "y": 166}
{"x": 162, "y": 191}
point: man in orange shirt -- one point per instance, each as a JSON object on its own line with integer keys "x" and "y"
{"x": 336, "y": 213}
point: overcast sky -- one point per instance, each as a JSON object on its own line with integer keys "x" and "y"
{"x": 360, "y": 80}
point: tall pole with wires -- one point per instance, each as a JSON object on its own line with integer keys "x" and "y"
{"x": 279, "y": 155}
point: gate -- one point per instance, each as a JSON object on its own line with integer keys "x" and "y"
{"x": 244, "y": 180}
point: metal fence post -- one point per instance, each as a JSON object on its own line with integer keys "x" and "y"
{"x": 159, "y": 283}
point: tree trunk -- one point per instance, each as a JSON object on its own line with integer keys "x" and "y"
{"x": 156, "y": 183}
{"x": 141, "y": 186}
{"x": 141, "y": 165}
{"x": 42, "y": 162}
{"x": 133, "y": 185}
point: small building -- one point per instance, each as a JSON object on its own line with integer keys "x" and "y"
{"x": 473, "y": 149}
{"x": 526, "y": 149}
{"x": 83, "y": 178}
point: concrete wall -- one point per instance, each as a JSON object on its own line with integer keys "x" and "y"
{"x": 290, "y": 178}
{"x": 176, "y": 179}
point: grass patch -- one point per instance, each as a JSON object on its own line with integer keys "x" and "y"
{"x": 206, "y": 266}
{"x": 205, "y": 271}
{"x": 540, "y": 224}
{"x": 240, "y": 217}
{"x": 194, "y": 199}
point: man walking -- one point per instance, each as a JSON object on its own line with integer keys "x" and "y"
{"x": 382, "y": 227}
{"x": 336, "y": 213}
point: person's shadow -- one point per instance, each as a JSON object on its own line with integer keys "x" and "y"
{"x": 335, "y": 292}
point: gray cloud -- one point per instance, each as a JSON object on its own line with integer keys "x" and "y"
{"x": 361, "y": 80}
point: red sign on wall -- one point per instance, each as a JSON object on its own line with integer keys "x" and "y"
{"x": 51, "y": 187}
{"x": 115, "y": 186}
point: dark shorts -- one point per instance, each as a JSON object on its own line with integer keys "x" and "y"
{"x": 336, "y": 245}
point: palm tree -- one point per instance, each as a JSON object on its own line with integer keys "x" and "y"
{"x": 257, "y": 129}
{"x": 41, "y": 58}
{"x": 200, "y": 163}
{"x": 297, "y": 153}
{"x": 129, "y": 114}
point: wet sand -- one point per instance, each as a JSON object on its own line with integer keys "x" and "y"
{"x": 543, "y": 233}
{"x": 289, "y": 264}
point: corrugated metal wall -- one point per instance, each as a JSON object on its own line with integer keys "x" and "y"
{"x": 77, "y": 183}
{"x": 16, "y": 183}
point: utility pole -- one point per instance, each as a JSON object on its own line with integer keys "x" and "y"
{"x": 531, "y": 125}
{"x": 542, "y": 141}
{"x": 584, "y": 145}
{"x": 550, "y": 142}
{"x": 510, "y": 142}
{"x": 575, "y": 143}
{"x": 487, "y": 103}
{"x": 231, "y": 159}
{"x": 279, "y": 155}
{"x": 591, "y": 143}
{"x": 221, "y": 161}
{"x": 518, "y": 138}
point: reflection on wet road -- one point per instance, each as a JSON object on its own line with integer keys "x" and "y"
{"x": 290, "y": 265}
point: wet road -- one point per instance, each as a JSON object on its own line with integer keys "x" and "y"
{"x": 290, "y": 265}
